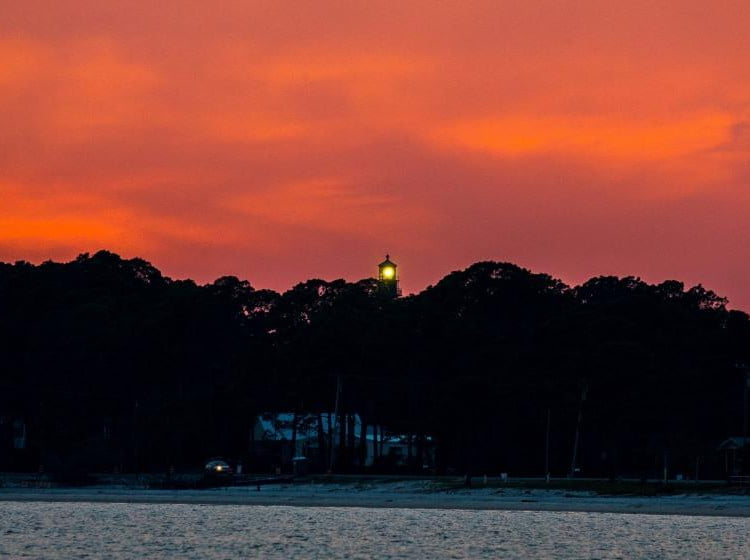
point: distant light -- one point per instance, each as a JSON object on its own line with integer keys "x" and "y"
{"x": 389, "y": 272}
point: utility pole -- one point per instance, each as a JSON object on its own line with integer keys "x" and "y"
{"x": 584, "y": 390}
{"x": 333, "y": 425}
{"x": 746, "y": 384}
{"x": 546, "y": 447}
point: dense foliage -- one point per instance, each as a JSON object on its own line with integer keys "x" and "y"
{"x": 110, "y": 364}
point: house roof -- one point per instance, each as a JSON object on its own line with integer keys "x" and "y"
{"x": 280, "y": 426}
{"x": 734, "y": 443}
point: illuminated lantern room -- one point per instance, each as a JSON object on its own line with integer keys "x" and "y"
{"x": 388, "y": 276}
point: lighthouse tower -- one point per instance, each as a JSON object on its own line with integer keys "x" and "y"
{"x": 388, "y": 276}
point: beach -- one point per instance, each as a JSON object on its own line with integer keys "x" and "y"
{"x": 413, "y": 494}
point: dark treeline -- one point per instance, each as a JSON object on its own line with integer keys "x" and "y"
{"x": 108, "y": 364}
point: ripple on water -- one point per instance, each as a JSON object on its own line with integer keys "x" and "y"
{"x": 122, "y": 531}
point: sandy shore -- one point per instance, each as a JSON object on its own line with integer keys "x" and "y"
{"x": 412, "y": 494}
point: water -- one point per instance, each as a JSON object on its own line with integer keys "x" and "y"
{"x": 120, "y": 531}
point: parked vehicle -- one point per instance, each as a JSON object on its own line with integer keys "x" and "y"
{"x": 218, "y": 467}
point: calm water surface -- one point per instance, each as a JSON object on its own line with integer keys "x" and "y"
{"x": 118, "y": 531}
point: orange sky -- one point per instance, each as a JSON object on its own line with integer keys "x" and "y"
{"x": 279, "y": 141}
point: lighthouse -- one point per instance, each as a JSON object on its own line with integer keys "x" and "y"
{"x": 388, "y": 276}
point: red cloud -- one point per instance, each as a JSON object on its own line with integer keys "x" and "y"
{"x": 280, "y": 143}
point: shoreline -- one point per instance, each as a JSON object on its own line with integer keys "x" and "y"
{"x": 412, "y": 496}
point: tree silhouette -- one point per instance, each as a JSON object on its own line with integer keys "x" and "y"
{"x": 110, "y": 365}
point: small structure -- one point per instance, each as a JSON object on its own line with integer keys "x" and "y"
{"x": 735, "y": 450}
{"x": 734, "y": 443}
{"x": 388, "y": 277}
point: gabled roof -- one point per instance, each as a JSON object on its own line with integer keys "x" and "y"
{"x": 734, "y": 443}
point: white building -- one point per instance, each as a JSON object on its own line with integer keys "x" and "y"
{"x": 304, "y": 436}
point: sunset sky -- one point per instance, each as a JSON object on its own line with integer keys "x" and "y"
{"x": 280, "y": 141}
